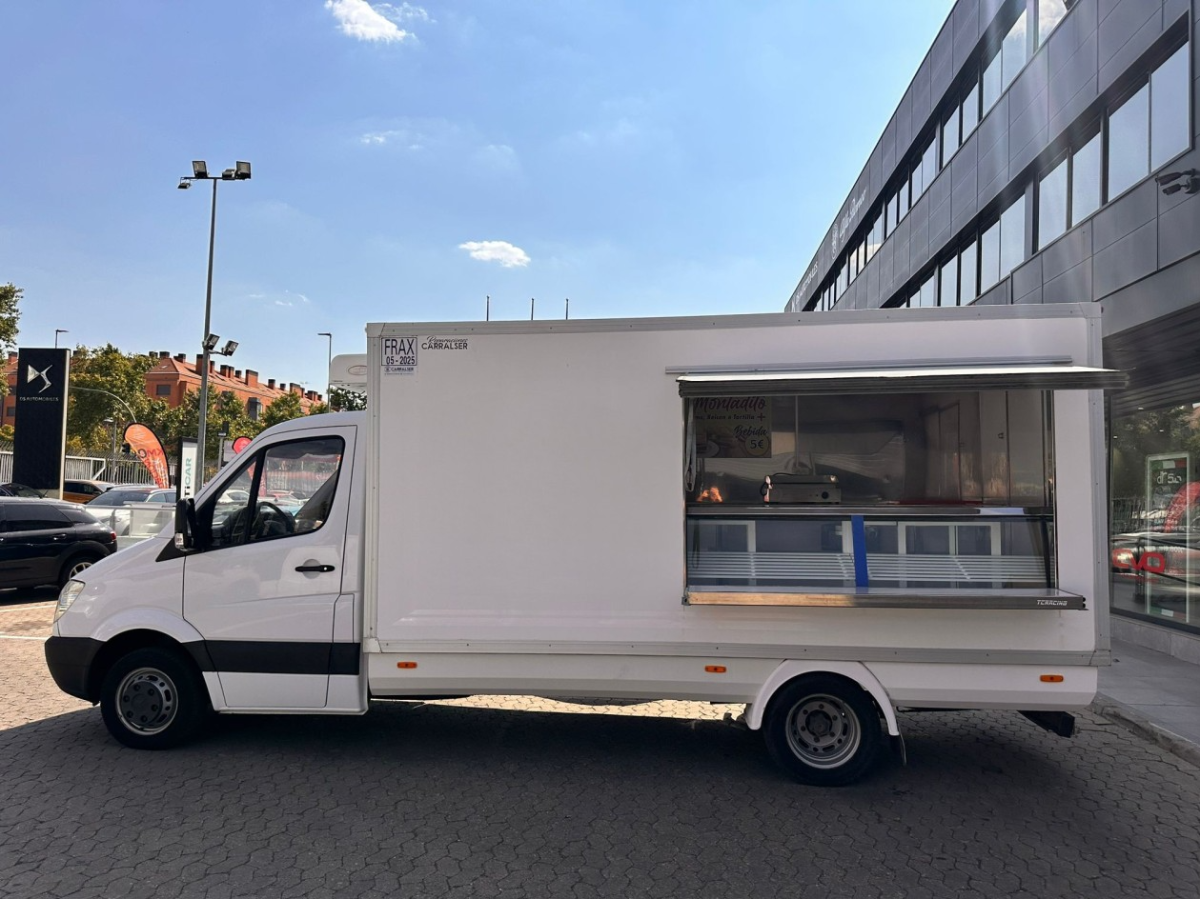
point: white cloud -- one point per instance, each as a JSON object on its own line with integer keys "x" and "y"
{"x": 496, "y": 251}
{"x": 287, "y": 299}
{"x": 359, "y": 19}
{"x": 444, "y": 143}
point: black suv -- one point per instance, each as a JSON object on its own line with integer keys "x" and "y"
{"x": 45, "y": 541}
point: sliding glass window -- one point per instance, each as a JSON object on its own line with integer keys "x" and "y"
{"x": 1052, "y": 204}
{"x": 1012, "y": 236}
{"x": 1015, "y": 51}
{"x": 1169, "y": 108}
{"x": 970, "y": 112}
{"x": 1129, "y": 143}
{"x": 1085, "y": 180}
{"x": 929, "y": 166}
{"x": 951, "y": 138}
{"x": 968, "y": 267}
{"x": 1050, "y": 13}
{"x": 989, "y": 257}
{"x": 948, "y": 288}
{"x": 992, "y": 83}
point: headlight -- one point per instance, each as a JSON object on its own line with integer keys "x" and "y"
{"x": 67, "y": 596}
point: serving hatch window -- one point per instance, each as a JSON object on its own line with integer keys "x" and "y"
{"x": 988, "y": 447}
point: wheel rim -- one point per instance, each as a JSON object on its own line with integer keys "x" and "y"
{"x": 147, "y": 701}
{"x": 78, "y": 568}
{"x": 823, "y": 731}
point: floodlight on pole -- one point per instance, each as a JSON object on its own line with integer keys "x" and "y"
{"x": 200, "y": 173}
{"x": 328, "y": 366}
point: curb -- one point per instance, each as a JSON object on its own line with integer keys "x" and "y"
{"x": 1133, "y": 720}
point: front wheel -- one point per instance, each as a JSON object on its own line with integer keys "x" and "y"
{"x": 153, "y": 699}
{"x": 823, "y": 730}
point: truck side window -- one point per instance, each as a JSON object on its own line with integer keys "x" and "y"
{"x": 285, "y": 489}
{"x": 229, "y": 512}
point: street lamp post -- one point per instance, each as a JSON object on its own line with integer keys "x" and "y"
{"x": 241, "y": 172}
{"x": 328, "y": 366}
{"x": 112, "y": 453}
{"x": 58, "y": 331}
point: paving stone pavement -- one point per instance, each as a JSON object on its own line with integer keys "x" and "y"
{"x": 501, "y": 797}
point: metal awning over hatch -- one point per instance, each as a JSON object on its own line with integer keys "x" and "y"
{"x": 900, "y": 380}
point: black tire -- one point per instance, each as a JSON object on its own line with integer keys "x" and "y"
{"x": 153, "y": 699}
{"x": 823, "y": 730}
{"x": 74, "y": 565}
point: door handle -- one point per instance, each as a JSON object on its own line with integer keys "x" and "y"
{"x": 321, "y": 569}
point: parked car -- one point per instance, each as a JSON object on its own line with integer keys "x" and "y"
{"x": 48, "y": 541}
{"x": 75, "y": 491}
{"x": 112, "y": 506}
{"x": 20, "y": 490}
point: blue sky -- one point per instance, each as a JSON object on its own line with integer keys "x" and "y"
{"x": 643, "y": 158}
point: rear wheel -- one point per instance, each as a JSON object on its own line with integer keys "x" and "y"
{"x": 153, "y": 699}
{"x": 823, "y": 730}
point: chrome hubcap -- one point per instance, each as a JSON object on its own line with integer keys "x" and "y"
{"x": 823, "y": 731}
{"x": 147, "y": 701}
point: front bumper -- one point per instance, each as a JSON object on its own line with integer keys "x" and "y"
{"x": 70, "y": 662}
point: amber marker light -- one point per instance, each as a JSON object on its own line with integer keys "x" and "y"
{"x": 715, "y": 669}
{"x": 1052, "y": 678}
{"x": 406, "y": 664}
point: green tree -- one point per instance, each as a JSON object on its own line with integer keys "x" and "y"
{"x": 342, "y": 400}
{"x": 10, "y": 314}
{"x": 285, "y": 408}
{"x": 226, "y": 415}
{"x": 105, "y": 384}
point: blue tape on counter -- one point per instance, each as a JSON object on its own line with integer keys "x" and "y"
{"x": 858, "y": 532}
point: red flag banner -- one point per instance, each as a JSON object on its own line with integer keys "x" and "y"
{"x": 148, "y": 447}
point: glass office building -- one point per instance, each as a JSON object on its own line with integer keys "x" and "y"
{"x": 1045, "y": 152}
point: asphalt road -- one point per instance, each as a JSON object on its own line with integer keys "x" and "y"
{"x": 509, "y": 797}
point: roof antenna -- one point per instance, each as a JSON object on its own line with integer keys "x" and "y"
{"x": 487, "y": 313}
{"x": 567, "y": 317}
{"x": 531, "y": 308}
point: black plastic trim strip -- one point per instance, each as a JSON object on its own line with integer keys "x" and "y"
{"x": 278, "y": 657}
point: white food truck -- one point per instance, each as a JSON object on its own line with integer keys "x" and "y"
{"x": 827, "y": 517}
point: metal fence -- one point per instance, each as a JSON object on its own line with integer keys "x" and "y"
{"x": 124, "y": 469}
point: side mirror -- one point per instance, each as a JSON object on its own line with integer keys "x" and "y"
{"x": 186, "y": 527}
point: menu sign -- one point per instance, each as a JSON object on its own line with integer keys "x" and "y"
{"x": 735, "y": 427}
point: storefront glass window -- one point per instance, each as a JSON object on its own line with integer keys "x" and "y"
{"x": 1155, "y": 545}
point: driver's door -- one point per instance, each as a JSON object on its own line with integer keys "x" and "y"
{"x": 263, "y": 592}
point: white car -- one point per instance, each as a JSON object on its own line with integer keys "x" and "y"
{"x": 112, "y": 508}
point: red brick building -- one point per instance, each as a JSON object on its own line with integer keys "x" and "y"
{"x": 174, "y": 376}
